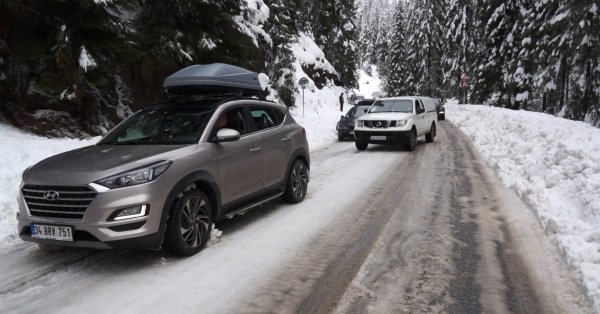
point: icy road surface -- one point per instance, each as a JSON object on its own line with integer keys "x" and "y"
{"x": 380, "y": 231}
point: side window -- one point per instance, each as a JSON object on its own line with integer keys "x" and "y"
{"x": 420, "y": 108}
{"x": 265, "y": 118}
{"x": 232, "y": 119}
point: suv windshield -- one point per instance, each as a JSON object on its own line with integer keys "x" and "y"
{"x": 392, "y": 105}
{"x": 161, "y": 126}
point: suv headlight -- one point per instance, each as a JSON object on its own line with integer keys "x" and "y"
{"x": 401, "y": 123}
{"x": 136, "y": 176}
{"x": 360, "y": 123}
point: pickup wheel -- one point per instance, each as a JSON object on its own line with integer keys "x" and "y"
{"x": 297, "y": 183}
{"x": 189, "y": 224}
{"x": 361, "y": 145}
{"x": 411, "y": 143}
{"x": 431, "y": 135}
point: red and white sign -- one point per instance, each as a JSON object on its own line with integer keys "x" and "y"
{"x": 464, "y": 81}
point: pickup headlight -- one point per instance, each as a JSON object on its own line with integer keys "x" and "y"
{"x": 401, "y": 123}
{"x": 136, "y": 176}
{"x": 360, "y": 123}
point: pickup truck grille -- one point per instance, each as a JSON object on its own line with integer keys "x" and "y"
{"x": 377, "y": 124}
{"x": 58, "y": 201}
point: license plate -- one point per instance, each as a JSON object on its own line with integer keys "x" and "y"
{"x": 60, "y": 233}
{"x": 378, "y": 137}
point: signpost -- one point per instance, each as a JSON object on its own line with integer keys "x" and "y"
{"x": 303, "y": 82}
{"x": 464, "y": 83}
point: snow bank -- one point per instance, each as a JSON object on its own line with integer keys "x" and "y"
{"x": 554, "y": 165}
{"x": 307, "y": 52}
{"x": 19, "y": 151}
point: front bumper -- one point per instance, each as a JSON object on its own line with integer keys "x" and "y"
{"x": 391, "y": 137}
{"x": 97, "y": 230}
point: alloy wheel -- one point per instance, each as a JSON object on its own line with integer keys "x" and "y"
{"x": 194, "y": 224}
{"x": 299, "y": 180}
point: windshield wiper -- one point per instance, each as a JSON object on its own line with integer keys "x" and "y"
{"x": 137, "y": 141}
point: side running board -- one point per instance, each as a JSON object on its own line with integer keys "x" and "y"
{"x": 244, "y": 208}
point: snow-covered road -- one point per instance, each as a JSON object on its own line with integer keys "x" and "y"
{"x": 250, "y": 248}
{"x": 380, "y": 231}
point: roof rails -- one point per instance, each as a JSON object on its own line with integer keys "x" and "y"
{"x": 213, "y": 81}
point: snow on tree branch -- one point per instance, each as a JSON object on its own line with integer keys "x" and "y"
{"x": 85, "y": 60}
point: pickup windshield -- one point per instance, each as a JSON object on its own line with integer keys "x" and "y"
{"x": 161, "y": 126}
{"x": 392, "y": 105}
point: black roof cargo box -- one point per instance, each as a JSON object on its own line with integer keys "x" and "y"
{"x": 213, "y": 79}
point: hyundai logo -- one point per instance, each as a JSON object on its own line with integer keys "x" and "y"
{"x": 51, "y": 195}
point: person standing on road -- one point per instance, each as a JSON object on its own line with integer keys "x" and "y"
{"x": 342, "y": 102}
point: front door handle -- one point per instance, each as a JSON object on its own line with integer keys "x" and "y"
{"x": 285, "y": 139}
{"x": 255, "y": 149}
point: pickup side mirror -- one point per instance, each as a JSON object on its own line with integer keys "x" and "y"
{"x": 366, "y": 110}
{"x": 227, "y": 135}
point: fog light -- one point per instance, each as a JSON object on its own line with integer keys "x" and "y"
{"x": 131, "y": 212}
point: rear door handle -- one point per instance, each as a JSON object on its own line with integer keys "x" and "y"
{"x": 255, "y": 149}
{"x": 285, "y": 139}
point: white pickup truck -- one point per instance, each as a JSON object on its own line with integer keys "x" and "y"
{"x": 397, "y": 120}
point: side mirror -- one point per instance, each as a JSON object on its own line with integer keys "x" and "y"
{"x": 366, "y": 110}
{"x": 227, "y": 135}
{"x": 342, "y": 117}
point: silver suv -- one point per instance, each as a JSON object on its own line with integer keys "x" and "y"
{"x": 164, "y": 175}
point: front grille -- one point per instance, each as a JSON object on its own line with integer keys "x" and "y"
{"x": 72, "y": 201}
{"x": 376, "y": 124}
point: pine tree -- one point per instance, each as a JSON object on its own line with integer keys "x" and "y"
{"x": 336, "y": 34}
{"x": 495, "y": 19}
{"x": 396, "y": 63}
{"x": 586, "y": 41}
{"x": 424, "y": 48}
{"x": 48, "y": 43}
{"x": 282, "y": 28}
{"x": 459, "y": 44}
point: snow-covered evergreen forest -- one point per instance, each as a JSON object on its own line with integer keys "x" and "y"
{"x": 538, "y": 55}
{"x": 77, "y": 67}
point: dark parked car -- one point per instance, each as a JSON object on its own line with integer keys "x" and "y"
{"x": 441, "y": 110}
{"x": 345, "y": 127}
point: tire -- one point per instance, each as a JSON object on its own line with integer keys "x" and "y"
{"x": 411, "y": 143}
{"x": 297, "y": 183}
{"x": 431, "y": 135}
{"x": 444, "y": 117}
{"x": 189, "y": 225}
{"x": 361, "y": 145}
